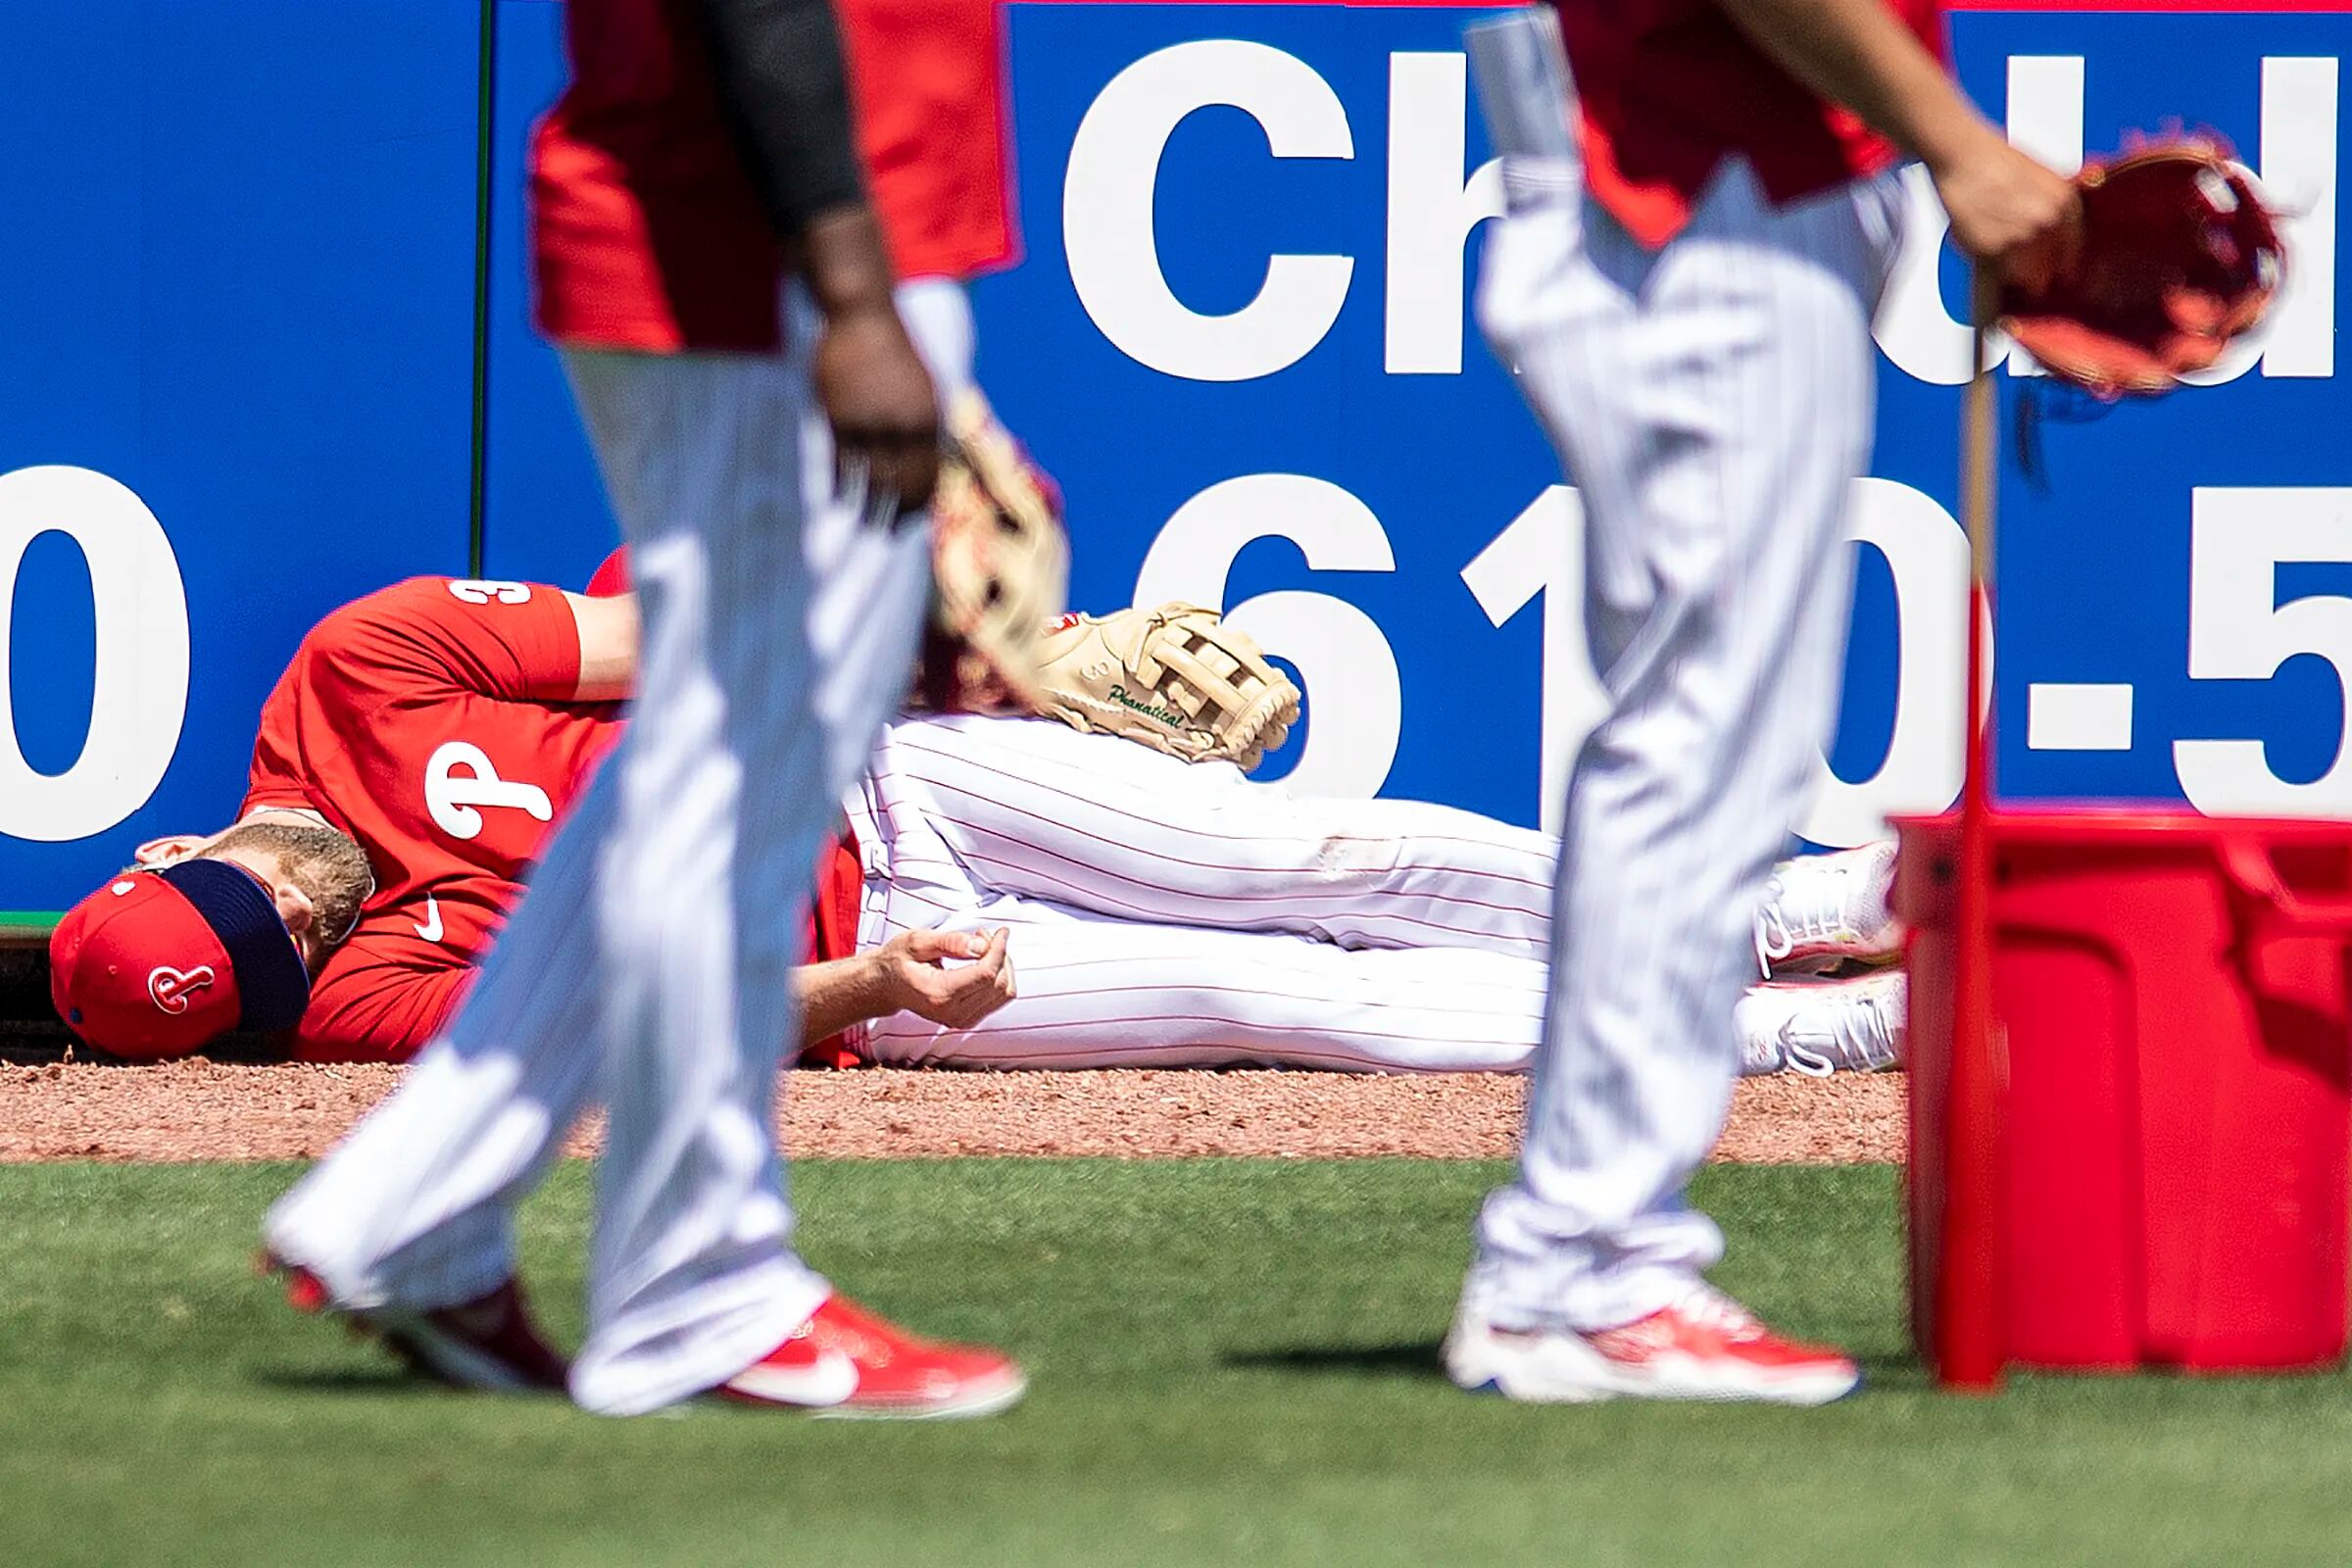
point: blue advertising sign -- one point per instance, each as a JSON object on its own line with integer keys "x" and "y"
{"x": 239, "y": 362}
{"x": 1240, "y": 340}
{"x": 237, "y": 356}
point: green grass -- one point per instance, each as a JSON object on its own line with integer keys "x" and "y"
{"x": 1233, "y": 1362}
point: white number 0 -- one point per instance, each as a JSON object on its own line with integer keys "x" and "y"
{"x": 139, "y": 695}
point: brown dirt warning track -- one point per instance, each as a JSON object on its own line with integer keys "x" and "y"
{"x": 198, "y": 1110}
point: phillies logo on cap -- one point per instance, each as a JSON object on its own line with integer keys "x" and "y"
{"x": 168, "y": 988}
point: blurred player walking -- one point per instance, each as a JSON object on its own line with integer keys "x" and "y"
{"x": 764, "y": 444}
{"x": 1685, "y": 288}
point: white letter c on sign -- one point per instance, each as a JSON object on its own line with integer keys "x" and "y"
{"x": 1109, "y": 188}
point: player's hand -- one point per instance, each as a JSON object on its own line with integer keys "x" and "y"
{"x": 884, "y": 412}
{"x": 2018, "y": 219}
{"x": 919, "y": 977}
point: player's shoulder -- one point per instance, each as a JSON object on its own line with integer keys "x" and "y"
{"x": 431, "y": 599}
{"x": 420, "y": 619}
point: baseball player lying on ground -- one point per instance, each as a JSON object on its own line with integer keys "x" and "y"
{"x": 423, "y": 742}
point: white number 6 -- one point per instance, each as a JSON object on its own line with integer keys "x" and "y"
{"x": 1353, "y": 694}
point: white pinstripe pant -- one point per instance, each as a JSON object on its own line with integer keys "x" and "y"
{"x": 648, "y": 965}
{"x": 1713, "y": 401}
{"x": 1167, "y": 914}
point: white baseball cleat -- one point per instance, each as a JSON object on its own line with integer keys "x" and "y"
{"x": 1820, "y": 910}
{"x": 1818, "y": 1027}
{"x": 1705, "y": 1345}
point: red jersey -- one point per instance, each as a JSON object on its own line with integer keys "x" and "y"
{"x": 1667, "y": 89}
{"x": 928, "y": 76}
{"x": 647, "y": 233}
{"x": 432, "y": 722}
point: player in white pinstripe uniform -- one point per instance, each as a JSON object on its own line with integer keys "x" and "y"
{"x": 759, "y": 464}
{"x": 1686, "y": 290}
{"x": 1171, "y": 913}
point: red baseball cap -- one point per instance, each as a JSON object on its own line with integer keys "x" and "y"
{"x": 612, "y": 578}
{"x": 158, "y": 964}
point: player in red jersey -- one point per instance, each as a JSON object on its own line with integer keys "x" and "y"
{"x": 709, "y": 267}
{"x": 433, "y": 730}
{"x": 1696, "y": 236}
{"x": 410, "y": 763}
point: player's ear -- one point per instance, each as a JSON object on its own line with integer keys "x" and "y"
{"x": 295, "y": 909}
{"x": 164, "y": 851}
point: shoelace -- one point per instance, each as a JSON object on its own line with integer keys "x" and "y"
{"x": 1859, "y": 1039}
{"x": 1780, "y": 927}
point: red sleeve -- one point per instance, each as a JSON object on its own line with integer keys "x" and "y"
{"x": 369, "y": 1006}
{"x": 928, "y": 80}
{"x": 513, "y": 641}
{"x": 276, "y": 777}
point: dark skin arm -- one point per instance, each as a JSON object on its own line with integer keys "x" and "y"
{"x": 785, "y": 90}
{"x": 2012, "y": 216}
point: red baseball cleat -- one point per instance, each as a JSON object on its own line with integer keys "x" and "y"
{"x": 1704, "y": 1347}
{"x": 488, "y": 1343}
{"x": 844, "y": 1361}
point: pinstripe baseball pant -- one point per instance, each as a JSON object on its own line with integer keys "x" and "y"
{"x": 649, "y": 964}
{"x": 1170, "y": 914}
{"x": 1713, "y": 400}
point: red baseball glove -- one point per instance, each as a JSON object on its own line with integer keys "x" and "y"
{"x": 2181, "y": 254}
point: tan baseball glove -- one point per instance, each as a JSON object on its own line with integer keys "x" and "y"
{"x": 1000, "y": 566}
{"x": 1177, "y": 679}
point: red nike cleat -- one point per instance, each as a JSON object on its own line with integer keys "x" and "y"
{"x": 1704, "y": 1347}
{"x": 844, "y": 1361}
{"x": 488, "y": 1343}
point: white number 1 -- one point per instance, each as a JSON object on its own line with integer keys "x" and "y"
{"x": 1541, "y": 554}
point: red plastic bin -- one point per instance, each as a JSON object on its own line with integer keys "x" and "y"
{"x": 2175, "y": 992}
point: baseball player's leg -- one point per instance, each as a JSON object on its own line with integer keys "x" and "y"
{"x": 1100, "y": 992}
{"x": 938, "y": 313}
{"x": 1103, "y": 993}
{"x": 778, "y": 627}
{"x": 414, "y": 1207}
{"x": 1032, "y": 807}
{"x": 1713, "y": 400}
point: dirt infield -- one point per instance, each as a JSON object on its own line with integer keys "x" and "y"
{"x": 209, "y": 1110}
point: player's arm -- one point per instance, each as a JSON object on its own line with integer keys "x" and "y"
{"x": 513, "y": 642}
{"x": 2006, "y": 209}
{"x": 607, "y": 630}
{"x": 908, "y": 974}
{"x": 373, "y": 1007}
{"x": 786, "y": 93}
